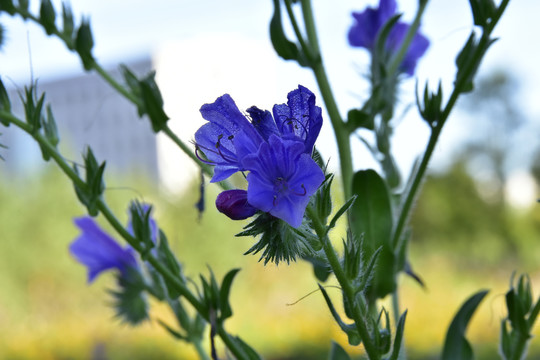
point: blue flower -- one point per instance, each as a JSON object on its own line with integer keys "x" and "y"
{"x": 282, "y": 178}
{"x": 299, "y": 119}
{"x": 234, "y": 204}
{"x": 99, "y": 252}
{"x": 275, "y": 150}
{"x": 367, "y": 25}
{"x": 227, "y": 138}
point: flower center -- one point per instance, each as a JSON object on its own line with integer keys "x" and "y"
{"x": 281, "y": 188}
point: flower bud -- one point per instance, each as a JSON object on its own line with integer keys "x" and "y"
{"x": 234, "y": 204}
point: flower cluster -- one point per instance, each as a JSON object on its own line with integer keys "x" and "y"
{"x": 275, "y": 150}
{"x": 366, "y": 28}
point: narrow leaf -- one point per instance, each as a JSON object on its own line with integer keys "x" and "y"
{"x": 456, "y": 345}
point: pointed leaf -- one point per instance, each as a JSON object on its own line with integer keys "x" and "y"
{"x": 400, "y": 327}
{"x": 340, "y": 212}
{"x": 456, "y": 345}
{"x": 226, "y": 310}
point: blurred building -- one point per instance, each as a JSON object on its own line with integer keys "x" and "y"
{"x": 88, "y": 112}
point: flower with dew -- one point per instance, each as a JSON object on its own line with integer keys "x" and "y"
{"x": 367, "y": 25}
{"x": 99, "y": 252}
{"x": 275, "y": 150}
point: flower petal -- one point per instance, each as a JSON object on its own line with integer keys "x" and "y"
{"x": 98, "y": 251}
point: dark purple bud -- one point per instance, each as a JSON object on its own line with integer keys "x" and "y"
{"x": 234, "y": 204}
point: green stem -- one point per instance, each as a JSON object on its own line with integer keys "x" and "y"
{"x": 346, "y": 286}
{"x": 116, "y": 85}
{"x": 340, "y": 130}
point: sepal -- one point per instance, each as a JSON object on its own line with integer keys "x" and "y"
{"x": 90, "y": 193}
{"x": 431, "y": 109}
{"x": 130, "y": 301}
{"x": 278, "y": 240}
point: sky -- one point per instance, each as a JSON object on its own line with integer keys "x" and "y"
{"x": 231, "y": 38}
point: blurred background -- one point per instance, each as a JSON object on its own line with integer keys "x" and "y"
{"x": 475, "y": 223}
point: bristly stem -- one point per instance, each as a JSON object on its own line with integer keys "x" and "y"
{"x": 345, "y": 283}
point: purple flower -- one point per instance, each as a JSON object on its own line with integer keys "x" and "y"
{"x": 227, "y": 138}
{"x": 234, "y": 204}
{"x": 282, "y": 179}
{"x": 299, "y": 119}
{"x": 275, "y": 150}
{"x": 367, "y": 25}
{"x": 98, "y": 251}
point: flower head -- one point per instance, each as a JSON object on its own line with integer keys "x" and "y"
{"x": 275, "y": 150}
{"x": 282, "y": 179}
{"x": 98, "y": 251}
{"x": 367, "y": 25}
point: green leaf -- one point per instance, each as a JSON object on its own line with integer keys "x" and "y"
{"x": 248, "y": 350}
{"x": 338, "y": 353}
{"x": 371, "y": 217}
{"x": 7, "y": 6}
{"x": 5, "y": 104}
{"x": 225, "y": 307}
{"x": 47, "y": 16}
{"x": 68, "y": 24}
{"x": 350, "y": 330}
{"x": 516, "y": 313}
{"x": 456, "y": 345}
{"x": 171, "y": 331}
{"x": 153, "y": 102}
{"x": 283, "y": 46}
{"x": 359, "y": 119}
{"x": 400, "y": 328}
{"x": 342, "y": 210}
{"x": 84, "y": 44}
